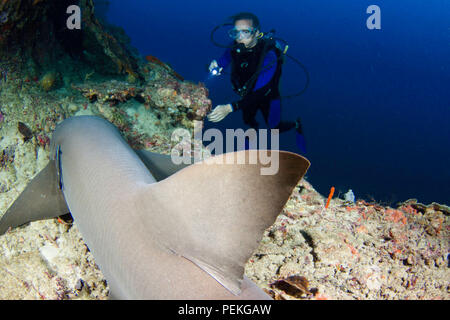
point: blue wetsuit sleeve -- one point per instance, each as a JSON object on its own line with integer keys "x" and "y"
{"x": 225, "y": 59}
{"x": 264, "y": 78}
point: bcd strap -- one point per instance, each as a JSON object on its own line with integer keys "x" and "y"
{"x": 269, "y": 44}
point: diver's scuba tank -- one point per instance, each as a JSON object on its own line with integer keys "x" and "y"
{"x": 283, "y": 47}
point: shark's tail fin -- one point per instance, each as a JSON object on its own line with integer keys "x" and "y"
{"x": 214, "y": 213}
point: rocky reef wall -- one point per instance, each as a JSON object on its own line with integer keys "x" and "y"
{"x": 35, "y": 31}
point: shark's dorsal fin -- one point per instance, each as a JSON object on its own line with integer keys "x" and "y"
{"x": 160, "y": 165}
{"x": 221, "y": 211}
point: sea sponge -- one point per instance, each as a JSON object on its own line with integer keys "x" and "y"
{"x": 48, "y": 81}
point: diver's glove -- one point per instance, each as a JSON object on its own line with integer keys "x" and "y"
{"x": 220, "y": 112}
{"x": 214, "y": 68}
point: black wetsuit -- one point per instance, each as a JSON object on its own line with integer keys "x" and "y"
{"x": 259, "y": 92}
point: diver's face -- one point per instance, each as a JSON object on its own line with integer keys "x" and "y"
{"x": 243, "y": 27}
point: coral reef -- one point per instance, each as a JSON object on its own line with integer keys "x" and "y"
{"x": 358, "y": 251}
{"x": 155, "y": 60}
{"x": 161, "y": 99}
{"x": 319, "y": 248}
{"x": 104, "y": 42}
{"x": 182, "y": 100}
{"x": 112, "y": 92}
{"x": 36, "y": 32}
{"x": 62, "y": 265}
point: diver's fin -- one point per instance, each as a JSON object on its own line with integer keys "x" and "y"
{"x": 41, "y": 199}
{"x": 160, "y": 165}
{"x": 219, "y": 212}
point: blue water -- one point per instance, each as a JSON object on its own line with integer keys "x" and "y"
{"x": 376, "y": 114}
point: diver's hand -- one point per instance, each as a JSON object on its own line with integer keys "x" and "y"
{"x": 215, "y": 65}
{"x": 220, "y": 112}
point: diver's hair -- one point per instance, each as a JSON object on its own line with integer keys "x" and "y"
{"x": 246, "y": 16}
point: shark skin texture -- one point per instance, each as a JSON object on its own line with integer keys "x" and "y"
{"x": 158, "y": 230}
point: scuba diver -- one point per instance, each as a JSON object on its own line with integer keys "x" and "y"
{"x": 256, "y": 65}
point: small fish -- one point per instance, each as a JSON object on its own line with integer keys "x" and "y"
{"x": 24, "y": 131}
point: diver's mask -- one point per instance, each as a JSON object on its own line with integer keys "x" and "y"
{"x": 237, "y": 34}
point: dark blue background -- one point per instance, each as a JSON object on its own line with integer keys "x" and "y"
{"x": 377, "y": 111}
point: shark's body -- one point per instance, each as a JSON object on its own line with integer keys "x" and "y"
{"x": 185, "y": 237}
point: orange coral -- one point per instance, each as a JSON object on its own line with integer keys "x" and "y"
{"x": 396, "y": 216}
{"x": 329, "y": 197}
{"x": 409, "y": 209}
